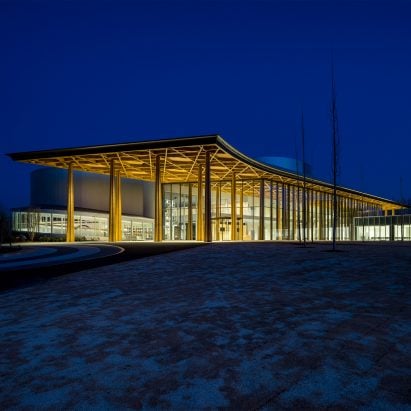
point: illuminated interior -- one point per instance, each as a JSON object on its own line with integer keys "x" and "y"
{"x": 51, "y": 224}
{"x": 208, "y": 191}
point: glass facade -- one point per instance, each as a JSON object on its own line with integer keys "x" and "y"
{"x": 247, "y": 210}
{"x": 261, "y": 209}
{"x": 49, "y": 224}
{"x": 180, "y": 211}
{"x": 383, "y": 228}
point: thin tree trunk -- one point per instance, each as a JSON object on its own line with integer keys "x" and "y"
{"x": 304, "y": 180}
{"x": 297, "y": 167}
{"x": 334, "y": 123}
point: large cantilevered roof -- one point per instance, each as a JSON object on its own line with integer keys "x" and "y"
{"x": 180, "y": 160}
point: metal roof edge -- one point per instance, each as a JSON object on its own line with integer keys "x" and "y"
{"x": 110, "y": 148}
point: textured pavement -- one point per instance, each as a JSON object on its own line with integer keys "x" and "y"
{"x": 225, "y": 326}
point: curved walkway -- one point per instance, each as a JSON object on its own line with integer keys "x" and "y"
{"x": 37, "y": 262}
{"x": 34, "y": 255}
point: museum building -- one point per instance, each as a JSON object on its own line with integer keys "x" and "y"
{"x": 195, "y": 188}
{"x": 46, "y": 217}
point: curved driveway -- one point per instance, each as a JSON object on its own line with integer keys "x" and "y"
{"x": 34, "y": 256}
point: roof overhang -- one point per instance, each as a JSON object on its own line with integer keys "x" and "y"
{"x": 180, "y": 159}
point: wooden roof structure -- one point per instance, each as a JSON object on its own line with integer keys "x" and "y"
{"x": 180, "y": 159}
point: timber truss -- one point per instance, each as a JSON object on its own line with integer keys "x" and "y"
{"x": 180, "y": 159}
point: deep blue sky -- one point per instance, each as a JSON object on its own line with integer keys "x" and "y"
{"x": 93, "y": 72}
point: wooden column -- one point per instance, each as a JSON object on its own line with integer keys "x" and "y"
{"x": 200, "y": 230}
{"x": 112, "y": 204}
{"x": 261, "y": 225}
{"x": 233, "y": 209}
{"x": 218, "y": 212}
{"x": 339, "y": 218}
{"x": 271, "y": 210}
{"x": 294, "y": 206}
{"x": 288, "y": 216}
{"x": 70, "y": 236}
{"x": 158, "y": 212}
{"x": 344, "y": 211}
{"x": 351, "y": 219}
{"x": 241, "y": 232}
{"x": 312, "y": 213}
{"x": 317, "y": 222}
{"x": 323, "y": 215}
{"x": 207, "y": 200}
{"x": 119, "y": 222}
{"x": 329, "y": 221}
{"x": 279, "y": 211}
{"x": 320, "y": 215}
{"x": 190, "y": 213}
{"x": 308, "y": 214}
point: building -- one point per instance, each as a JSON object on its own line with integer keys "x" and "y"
{"x": 206, "y": 190}
{"x": 46, "y": 217}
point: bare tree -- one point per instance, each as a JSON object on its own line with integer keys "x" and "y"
{"x": 335, "y": 152}
{"x": 4, "y": 226}
{"x": 297, "y": 169}
{"x": 402, "y": 199}
{"x": 33, "y": 220}
{"x": 304, "y": 180}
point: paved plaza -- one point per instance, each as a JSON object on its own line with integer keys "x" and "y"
{"x": 251, "y": 326}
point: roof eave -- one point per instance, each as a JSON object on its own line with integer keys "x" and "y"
{"x": 112, "y": 148}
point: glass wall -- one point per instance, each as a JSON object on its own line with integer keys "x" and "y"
{"x": 383, "y": 228}
{"x": 249, "y": 209}
{"x": 263, "y": 210}
{"x": 51, "y": 224}
{"x": 180, "y": 211}
{"x": 223, "y": 228}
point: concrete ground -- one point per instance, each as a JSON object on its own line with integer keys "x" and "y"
{"x": 232, "y": 326}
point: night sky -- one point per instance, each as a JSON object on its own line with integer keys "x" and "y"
{"x": 78, "y": 73}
